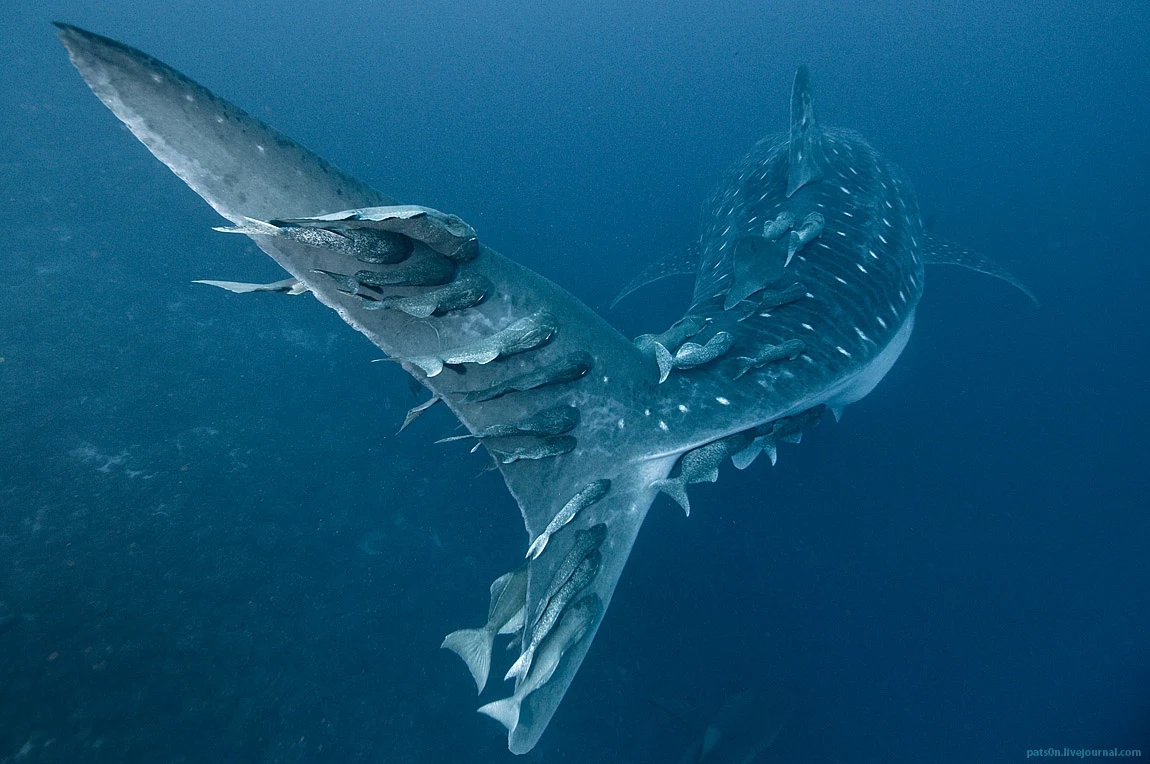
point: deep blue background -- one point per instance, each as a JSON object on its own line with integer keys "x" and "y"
{"x": 219, "y": 550}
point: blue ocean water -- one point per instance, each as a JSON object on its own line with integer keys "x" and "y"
{"x": 214, "y": 547}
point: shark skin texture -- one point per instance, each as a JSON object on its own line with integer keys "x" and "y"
{"x": 854, "y": 250}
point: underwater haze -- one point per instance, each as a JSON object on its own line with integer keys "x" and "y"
{"x": 214, "y": 546}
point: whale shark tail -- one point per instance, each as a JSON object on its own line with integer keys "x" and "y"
{"x": 248, "y": 171}
{"x": 639, "y": 412}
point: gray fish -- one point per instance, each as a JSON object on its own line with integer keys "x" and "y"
{"x": 580, "y": 579}
{"x": 774, "y": 229}
{"x": 527, "y": 333}
{"x": 462, "y": 293}
{"x": 287, "y": 286}
{"x": 590, "y": 494}
{"x": 555, "y": 420}
{"x": 569, "y": 368}
{"x": 692, "y": 354}
{"x": 376, "y": 247}
{"x": 571, "y": 628}
{"x": 789, "y": 428}
{"x": 417, "y": 411}
{"x": 442, "y": 232}
{"x": 811, "y": 227}
{"x": 422, "y": 269}
{"x": 537, "y": 448}
{"x": 791, "y": 349}
{"x": 768, "y": 300}
{"x": 699, "y": 465}
{"x": 504, "y": 616}
{"x": 662, "y": 346}
{"x": 251, "y": 227}
{"x": 367, "y": 246}
{"x": 346, "y": 283}
{"x": 583, "y": 544}
{"x": 370, "y": 303}
{"x": 679, "y": 332}
{"x": 785, "y": 430}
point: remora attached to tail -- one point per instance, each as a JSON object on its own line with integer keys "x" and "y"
{"x": 504, "y": 616}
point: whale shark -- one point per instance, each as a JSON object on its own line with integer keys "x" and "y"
{"x": 808, "y": 271}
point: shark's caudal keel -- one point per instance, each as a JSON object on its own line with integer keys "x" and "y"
{"x": 808, "y": 273}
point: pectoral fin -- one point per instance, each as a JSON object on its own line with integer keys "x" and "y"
{"x": 938, "y": 251}
{"x": 680, "y": 262}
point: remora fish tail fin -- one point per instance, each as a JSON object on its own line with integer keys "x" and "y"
{"x": 474, "y": 647}
{"x": 936, "y": 251}
{"x": 566, "y": 354}
{"x": 679, "y": 263}
{"x": 505, "y": 711}
{"x": 805, "y": 150}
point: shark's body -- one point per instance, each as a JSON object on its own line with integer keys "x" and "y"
{"x": 861, "y": 278}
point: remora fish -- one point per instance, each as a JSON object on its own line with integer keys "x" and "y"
{"x": 554, "y": 420}
{"x": 417, "y": 410}
{"x": 444, "y": 233}
{"x": 287, "y": 286}
{"x": 791, "y": 349}
{"x": 367, "y": 246}
{"x": 864, "y": 278}
{"x": 810, "y": 228}
{"x": 585, "y": 542}
{"x": 664, "y": 347}
{"x": 701, "y": 465}
{"x": 421, "y": 269}
{"x": 692, "y": 354}
{"x": 786, "y": 430}
{"x": 573, "y": 626}
{"x": 504, "y": 616}
{"x": 580, "y": 579}
{"x": 530, "y": 448}
{"x": 592, "y": 493}
{"x": 679, "y": 332}
{"x": 569, "y": 368}
{"x": 527, "y": 333}
{"x": 466, "y": 292}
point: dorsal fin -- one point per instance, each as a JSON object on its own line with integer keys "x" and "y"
{"x": 806, "y": 146}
